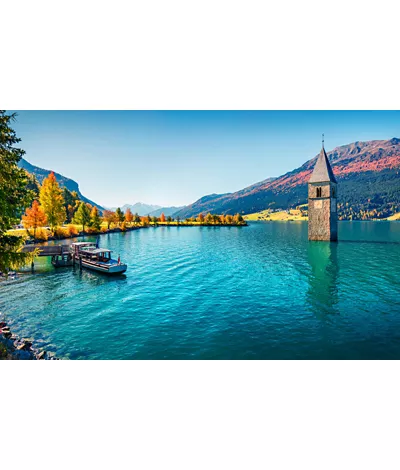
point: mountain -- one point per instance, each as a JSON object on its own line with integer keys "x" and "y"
{"x": 139, "y": 207}
{"x": 41, "y": 174}
{"x": 368, "y": 175}
{"x": 166, "y": 211}
{"x": 149, "y": 209}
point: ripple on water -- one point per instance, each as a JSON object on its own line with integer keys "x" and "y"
{"x": 255, "y": 292}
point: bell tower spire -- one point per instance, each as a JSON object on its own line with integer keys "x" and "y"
{"x": 322, "y": 200}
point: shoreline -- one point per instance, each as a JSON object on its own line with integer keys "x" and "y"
{"x": 15, "y": 348}
{"x": 128, "y": 229}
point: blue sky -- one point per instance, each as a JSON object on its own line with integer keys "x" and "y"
{"x": 175, "y": 157}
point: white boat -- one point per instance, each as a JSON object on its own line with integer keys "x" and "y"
{"x": 89, "y": 255}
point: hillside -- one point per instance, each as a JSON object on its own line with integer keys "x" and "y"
{"x": 166, "y": 211}
{"x": 368, "y": 175}
{"x": 221, "y": 203}
{"x": 70, "y": 184}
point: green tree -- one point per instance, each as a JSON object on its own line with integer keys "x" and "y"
{"x": 71, "y": 203}
{"x": 33, "y": 185}
{"x": 137, "y": 219}
{"x": 169, "y": 219}
{"x": 14, "y": 196}
{"x": 52, "y": 201}
{"x": 154, "y": 220}
{"x": 82, "y": 215}
{"x": 120, "y": 216}
{"x": 95, "y": 221}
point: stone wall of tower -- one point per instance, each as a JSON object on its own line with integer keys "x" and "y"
{"x": 322, "y": 212}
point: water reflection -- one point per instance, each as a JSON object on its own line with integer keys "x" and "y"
{"x": 322, "y": 294}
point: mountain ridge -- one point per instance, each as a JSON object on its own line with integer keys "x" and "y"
{"x": 69, "y": 183}
{"x": 367, "y": 172}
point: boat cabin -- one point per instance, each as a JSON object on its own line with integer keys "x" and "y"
{"x": 96, "y": 254}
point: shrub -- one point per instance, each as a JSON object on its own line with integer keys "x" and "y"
{"x": 72, "y": 230}
{"x": 42, "y": 234}
{"x": 61, "y": 232}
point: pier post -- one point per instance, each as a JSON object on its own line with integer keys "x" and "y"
{"x": 33, "y": 267}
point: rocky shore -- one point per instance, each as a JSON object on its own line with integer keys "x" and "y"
{"x": 13, "y": 347}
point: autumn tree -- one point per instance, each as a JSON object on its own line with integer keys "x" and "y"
{"x": 238, "y": 219}
{"x": 52, "y": 201}
{"x": 228, "y": 219}
{"x": 209, "y": 219}
{"x": 120, "y": 216}
{"x": 82, "y": 215}
{"x": 201, "y": 218}
{"x": 162, "y": 217}
{"x": 95, "y": 221}
{"x": 34, "y": 218}
{"x": 109, "y": 218}
{"x": 14, "y": 195}
{"x": 128, "y": 216}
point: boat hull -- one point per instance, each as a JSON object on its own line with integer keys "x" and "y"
{"x": 112, "y": 269}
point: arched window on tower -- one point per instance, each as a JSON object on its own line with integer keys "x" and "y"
{"x": 333, "y": 192}
{"x": 319, "y": 192}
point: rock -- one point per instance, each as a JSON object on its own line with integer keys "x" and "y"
{"x": 41, "y": 355}
{"x": 28, "y": 343}
{"x": 3, "y": 324}
{"x": 7, "y": 334}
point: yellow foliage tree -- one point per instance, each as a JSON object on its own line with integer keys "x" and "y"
{"x": 52, "y": 201}
{"x": 128, "y": 216}
{"x": 162, "y": 217}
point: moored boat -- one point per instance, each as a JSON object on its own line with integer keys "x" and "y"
{"x": 89, "y": 255}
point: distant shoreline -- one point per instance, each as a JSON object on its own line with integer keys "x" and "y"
{"x": 129, "y": 229}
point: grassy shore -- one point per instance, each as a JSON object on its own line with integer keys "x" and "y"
{"x": 281, "y": 216}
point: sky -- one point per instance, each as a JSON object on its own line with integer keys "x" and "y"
{"x": 172, "y": 158}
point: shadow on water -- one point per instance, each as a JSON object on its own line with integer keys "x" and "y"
{"x": 322, "y": 294}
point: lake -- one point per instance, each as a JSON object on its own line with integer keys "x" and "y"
{"x": 256, "y": 292}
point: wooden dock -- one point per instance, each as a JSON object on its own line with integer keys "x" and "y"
{"x": 48, "y": 250}
{"x": 60, "y": 254}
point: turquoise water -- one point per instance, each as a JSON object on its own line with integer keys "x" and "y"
{"x": 256, "y": 292}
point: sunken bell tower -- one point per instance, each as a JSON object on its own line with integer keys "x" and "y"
{"x": 322, "y": 201}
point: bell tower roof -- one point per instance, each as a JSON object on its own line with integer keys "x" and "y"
{"x": 322, "y": 170}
